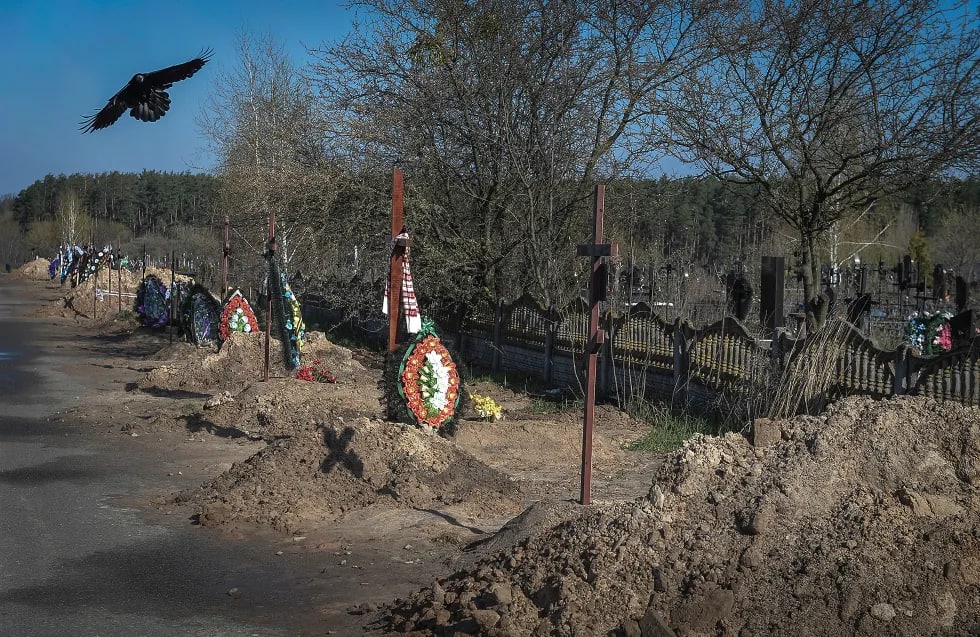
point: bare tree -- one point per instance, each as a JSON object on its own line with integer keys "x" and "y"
{"x": 958, "y": 242}
{"x": 261, "y": 124}
{"x": 504, "y": 114}
{"x": 829, "y": 105}
{"x": 75, "y": 226}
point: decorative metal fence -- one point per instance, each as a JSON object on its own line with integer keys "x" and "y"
{"x": 548, "y": 342}
{"x": 645, "y": 353}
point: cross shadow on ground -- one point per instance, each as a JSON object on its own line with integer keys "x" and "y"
{"x": 196, "y": 423}
{"x": 452, "y": 520}
{"x": 339, "y": 453}
{"x": 166, "y": 393}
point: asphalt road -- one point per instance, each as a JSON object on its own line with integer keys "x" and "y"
{"x": 75, "y": 560}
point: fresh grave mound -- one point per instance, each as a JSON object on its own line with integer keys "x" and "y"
{"x": 277, "y": 408}
{"x": 240, "y": 361}
{"x": 79, "y": 299}
{"x": 330, "y": 469}
{"x": 862, "y": 521}
{"x": 36, "y": 270}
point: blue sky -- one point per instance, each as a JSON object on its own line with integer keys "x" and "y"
{"x": 65, "y": 59}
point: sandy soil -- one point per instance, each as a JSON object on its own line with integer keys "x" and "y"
{"x": 862, "y": 521}
{"x": 313, "y": 466}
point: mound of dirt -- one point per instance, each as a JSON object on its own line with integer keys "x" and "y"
{"x": 83, "y": 298}
{"x": 276, "y": 409}
{"x": 36, "y": 270}
{"x": 329, "y": 469}
{"x": 240, "y": 361}
{"x": 863, "y": 521}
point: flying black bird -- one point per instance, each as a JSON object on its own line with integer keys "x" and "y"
{"x": 145, "y": 95}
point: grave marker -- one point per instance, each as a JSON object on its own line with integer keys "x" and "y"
{"x": 597, "y": 251}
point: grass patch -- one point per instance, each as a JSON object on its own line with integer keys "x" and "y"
{"x": 555, "y": 406}
{"x": 668, "y": 429}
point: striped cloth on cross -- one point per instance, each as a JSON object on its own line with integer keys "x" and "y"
{"x": 410, "y": 306}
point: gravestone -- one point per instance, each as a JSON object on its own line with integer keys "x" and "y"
{"x": 961, "y": 327}
{"x": 739, "y": 295}
{"x": 962, "y": 293}
{"x": 771, "y": 295}
{"x": 939, "y": 288}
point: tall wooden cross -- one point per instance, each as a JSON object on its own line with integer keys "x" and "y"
{"x": 597, "y": 251}
{"x": 397, "y": 256}
{"x": 225, "y": 253}
{"x": 269, "y": 287}
{"x": 119, "y": 265}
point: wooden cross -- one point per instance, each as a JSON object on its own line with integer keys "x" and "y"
{"x": 225, "y": 254}
{"x": 598, "y": 251}
{"x": 397, "y": 256}
{"x": 269, "y": 287}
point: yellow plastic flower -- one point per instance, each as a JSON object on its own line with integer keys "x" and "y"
{"x": 486, "y": 407}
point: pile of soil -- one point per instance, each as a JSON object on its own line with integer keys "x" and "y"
{"x": 36, "y": 270}
{"x": 861, "y": 521}
{"x": 82, "y": 299}
{"x": 240, "y": 361}
{"x": 329, "y": 469}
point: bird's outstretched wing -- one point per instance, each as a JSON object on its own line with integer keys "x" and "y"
{"x": 104, "y": 118}
{"x": 178, "y": 72}
{"x": 144, "y": 95}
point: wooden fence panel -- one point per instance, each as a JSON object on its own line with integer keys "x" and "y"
{"x": 481, "y": 318}
{"x": 954, "y": 375}
{"x": 526, "y": 322}
{"x": 641, "y": 337}
{"x": 573, "y": 328}
{"x": 724, "y": 354}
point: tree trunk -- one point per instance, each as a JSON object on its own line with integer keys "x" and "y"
{"x": 810, "y": 269}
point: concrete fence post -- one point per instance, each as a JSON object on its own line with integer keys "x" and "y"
{"x": 682, "y": 358}
{"x": 902, "y": 379}
{"x": 605, "y": 354}
{"x": 549, "y": 345}
{"x": 498, "y": 335}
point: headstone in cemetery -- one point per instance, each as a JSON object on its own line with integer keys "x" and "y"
{"x": 906, "y": 273}
{"x": 739, "y": 293}
{"x": 961, "y": 327}
{"x": 858, "y": 310}
{"x": 862, "y": 279}
{"x": 771, "y": 296}
{"x": 939, "y": 289}
{"x": 962, "y": 293}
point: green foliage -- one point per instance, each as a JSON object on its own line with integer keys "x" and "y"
{"x": 668, "y": 428}
{"x": 919, "y": 250}
{"x": 143, "y": 202}
{"x": 558, "y": 405}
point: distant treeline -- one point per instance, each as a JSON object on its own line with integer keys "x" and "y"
{"x": 150, "y": 201}
{"x": 711, "y": 217}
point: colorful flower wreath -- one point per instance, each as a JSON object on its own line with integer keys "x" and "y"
{"x": 94, "y": 263}
{"x": 929, "y": 333}
{"x": 429, "y": 381}
{"x": 152, "y": 302}
{"x": 200, "y": 315}
{"x": 237, "y": 316}
{"x": 294, "y": 325}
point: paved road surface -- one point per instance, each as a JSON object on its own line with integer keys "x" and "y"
{"x": 73, "y": 559}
